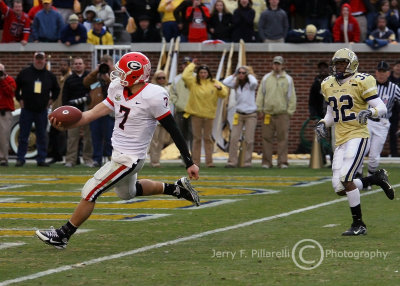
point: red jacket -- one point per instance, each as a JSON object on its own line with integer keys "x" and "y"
{"x": 353, "y": 29}
{"x": 7, "y": 92}
{"x": 197, "y": 18}
{"x": 15, "y": 28}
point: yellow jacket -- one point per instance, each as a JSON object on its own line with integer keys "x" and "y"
{"x": 203, "y": 98}
{"x": 168, "y": 9}
{"x": 106, "y": 39}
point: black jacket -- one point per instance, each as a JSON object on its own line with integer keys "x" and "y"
{"x": 243, "y": 25}
{"x": 46, "y": 82}
{"x": 151, "y": 35}
{"x": 223, "y": 28}
{"x": 74, "y": 89}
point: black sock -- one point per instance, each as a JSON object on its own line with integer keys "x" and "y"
{"x": 139, "y": 189}
{"x": 366, "y": 181}
{"x": 67, "y": 230}
{"x": 169, "y": 188}
{"x": 356, "y": 214}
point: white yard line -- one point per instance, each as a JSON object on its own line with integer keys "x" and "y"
{"x": 175, "y": 241}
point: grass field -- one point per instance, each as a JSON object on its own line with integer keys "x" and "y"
{"x": 249, "y": 225}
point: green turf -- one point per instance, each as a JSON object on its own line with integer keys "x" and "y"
{"x": 262, "y": 251}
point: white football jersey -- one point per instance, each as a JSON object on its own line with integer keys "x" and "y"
{"x": 136, "y": 116}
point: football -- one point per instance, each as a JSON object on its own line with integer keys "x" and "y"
{"x": 67, "y": 115}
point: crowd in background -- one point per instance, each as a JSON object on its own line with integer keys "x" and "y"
{"x": 375, "y": 22}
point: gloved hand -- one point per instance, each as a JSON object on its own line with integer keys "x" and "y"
{"x": 77, "y": 101}
{"x": 364, "y": 115}
{"x": 321, "y": 130}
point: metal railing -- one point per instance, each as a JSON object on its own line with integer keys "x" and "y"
{"x": 116, "y": 51}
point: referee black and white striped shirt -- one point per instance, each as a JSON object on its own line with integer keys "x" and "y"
{"x": 389, "y": 92}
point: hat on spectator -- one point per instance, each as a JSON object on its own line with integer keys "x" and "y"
{"x": 311, "y": 29}
{"x": 383, "y": 66}
{"x": 98, "y": 20}
{"x": 73, "y": 18}
{"x": 144, "y": 17}
{"x": 186, "y": 60}
{"x": 278, "y": 59}
{"x": 46, "y": 1}
{"x": 397, "y": 62}
{"x": 39, "y": 55}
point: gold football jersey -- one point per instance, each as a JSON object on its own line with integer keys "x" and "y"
{"x": 347, "y": 100}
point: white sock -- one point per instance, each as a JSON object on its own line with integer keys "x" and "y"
{"x": 353, "y": 197}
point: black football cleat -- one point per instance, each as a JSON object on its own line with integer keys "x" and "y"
{"x": 185, "y": 190}
{"x": 51, "y": 237}
{"x": 356, "y": 230}
{"x": 381, "y": 179}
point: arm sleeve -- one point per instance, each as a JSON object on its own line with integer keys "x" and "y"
{"x": 328, "y": 119}
{"x": 378, "y": 107}
{"x": 169, "y": 124}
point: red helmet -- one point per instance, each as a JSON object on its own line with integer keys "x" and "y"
{"x": 131, "y": 69}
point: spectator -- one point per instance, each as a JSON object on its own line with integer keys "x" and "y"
{"x": 346, "y": 28}
{"x": 243, "y": 22}
{"x": 362, "y": 11}
{"x": 394, "y": 119}
{"x": 309, "y": 35}
{"x": 320, "y": 13}
{"x": 394, "y": 13}
{"x": 37, "y": 88}
{"x": 76, "y": 94}
{"x": 103, "y": 11}
{"x": 391, "y": 14}
{"x": 258, "y": 6}
{"x": 65, "y": 8}
{"x": 73, "y": 32}
{"x": 382, "y": 35}
{"x": 245, "y": 84}
{"x": 276, "y": 103}
{"x": 179, "y": 95}
{"x": 47, "y": 24}
{"x": 16, "y": 27}
{"x": 273, "y": 25}
{"x": 220, "y": 25}
{"x": 137, "y": 8}
{"x": 7, "y": 92}
{"x": 316, "y": 102}
{"x": 197, "y": 16}
{"x": 202, "y": 105}
{"x": 90, "y": 14}
{"x": 146, "y": 33}
{"x": 160, "y": 136}
{"x": 57, "y": 138}
{"x": 35, "y": 9}
{"x": 98, "y": 35}
{"x": 101, "y": 129}
{"x": 180, "y": 16}
{"x": 169, "y": 24}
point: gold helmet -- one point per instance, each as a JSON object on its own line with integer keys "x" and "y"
{"x": 344, "y": 55}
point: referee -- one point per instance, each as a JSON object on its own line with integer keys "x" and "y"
{"x": 379, "y": 127}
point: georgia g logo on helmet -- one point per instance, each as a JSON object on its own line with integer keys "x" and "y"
{"x": 134, "y": 65}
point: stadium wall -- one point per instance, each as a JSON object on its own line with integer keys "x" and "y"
{"x": 301, "y": 63}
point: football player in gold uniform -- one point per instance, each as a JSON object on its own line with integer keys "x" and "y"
{"x": 348, "y": 94}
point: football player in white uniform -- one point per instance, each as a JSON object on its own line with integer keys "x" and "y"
{"x": 348, "y": 94}
{"x": 137, "y": 105}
